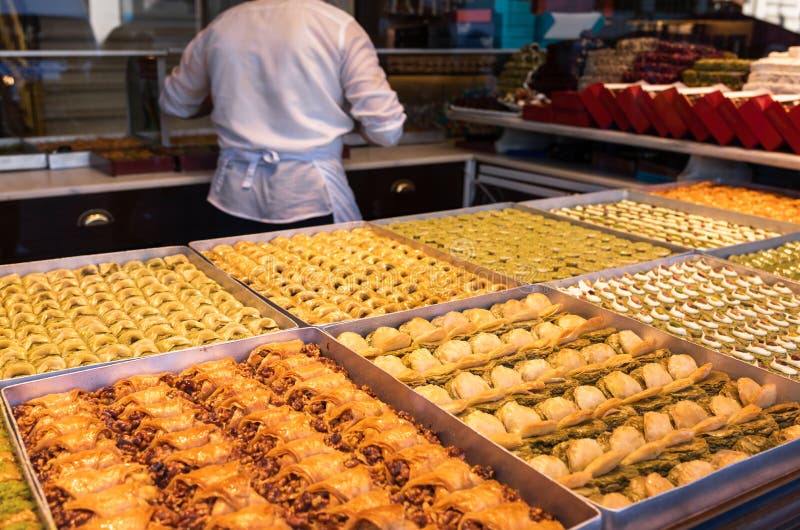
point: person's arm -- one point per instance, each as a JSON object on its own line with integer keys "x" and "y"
{"x": 186, "y": 92}
{"x": 373, "y": 103}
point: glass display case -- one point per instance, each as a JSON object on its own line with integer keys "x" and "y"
{"x": 91, "y": 67}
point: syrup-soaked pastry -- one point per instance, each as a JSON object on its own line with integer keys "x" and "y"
{"x": 737, "y": 199}
{"x": 599, "y": 410}
{"x": 18, "y": 509}
{"x": 70, "y": 318}
{"x": 736, "y": 313}
{"x": 781, "y": 261}
{"x": 162, "y": 451}
{"x": 382, "y": 275}
{"x": 526, "y": 246}
{"x": 666, "y": 224}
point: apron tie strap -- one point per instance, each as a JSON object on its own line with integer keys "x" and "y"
{"x": 269, "y": 157}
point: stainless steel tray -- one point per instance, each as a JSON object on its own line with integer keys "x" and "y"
{"x": 444, "y": 213}
{"x": 748, "y": 185}
{"x": 754, "y": 246}
{"x": 599, "y": 197}
{"x": 245, "y": 296}
{"x": 71, "y": 160}
{"x": 728, "y": 485}
{"x": 571, "y": 510}
{"x": 26, "y": 470}
{"x": 21, "y": 161}
{"x": 693, "y": 256}
{"x": 209, "y": 244}
{"x": 713, "y": 260}
{"x": 677, "y": 249}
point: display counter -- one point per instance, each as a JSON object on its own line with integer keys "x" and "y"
{"x": 36, "y": 184}
{"x": 599, "y": 420}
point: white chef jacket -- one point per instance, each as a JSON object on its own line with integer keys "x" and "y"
{"x": 286, "y": 76}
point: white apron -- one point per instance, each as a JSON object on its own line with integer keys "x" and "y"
{"x": 272, "y": 187}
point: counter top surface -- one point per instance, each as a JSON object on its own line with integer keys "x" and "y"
{"x": 37, "y": 184}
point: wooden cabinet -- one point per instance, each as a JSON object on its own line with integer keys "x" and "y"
{"x": 408, "y": 190}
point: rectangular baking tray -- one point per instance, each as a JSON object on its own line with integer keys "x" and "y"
{"x": 694, "y": 256}
{"x": 72, "y": 159}
{"x": 749, "y": 248}
{"x": 117, "y": 168}
{"x": 536, "y": 211}
{"x": 649, "y": 188}
{"x": 245, "y": 296}
{"x": 732, "y": 485}
{"x": 781, "y": 227}
{"x": 209, "y": 244}
{"x": 571, "y": 510}
{"x": 28, "y": 159}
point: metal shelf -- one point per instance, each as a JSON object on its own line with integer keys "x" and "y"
{"x": 419, "y": 51}
{"x": 447, "y": 51}
{"x": 51, "y": 54}
{"x": 736, "y": 154}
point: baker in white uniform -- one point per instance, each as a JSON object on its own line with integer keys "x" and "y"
{"x": 287, "y": 79}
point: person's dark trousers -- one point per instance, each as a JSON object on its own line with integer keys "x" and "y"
{"x": 236, "y": 226}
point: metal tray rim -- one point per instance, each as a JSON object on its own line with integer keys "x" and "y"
{"x": 753, "y": 246}
{"x": 792, "y": 194}
{"x": 245, "y": 296}
{"x": 200, "y": 246}
{"x": 695, "y": 256}
{"x": 630, "y": 517}
{"x": 345, "y": 357}
{"x": 766, "y": 223}
{"x": 675, "y": 249}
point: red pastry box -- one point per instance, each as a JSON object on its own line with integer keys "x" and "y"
{"x": 608, "y": 97}
{"x": 728, "y": 109}
{"x": 706, "y": 109}
{"x": 568, "y": 109}
{"x": 131, "y": 162}
{"x": 753, "y": 113}
{"x": 777, "y": 113}
{"x": 647, "y": 103}
{"x": 664, "y": 103}
{"x": 794, "y": 115}
{"x": 628, "y": 101}
{"x": 543, "y": 113}
{"x": 590, "y": 97}
{"x": 684, "y": 106}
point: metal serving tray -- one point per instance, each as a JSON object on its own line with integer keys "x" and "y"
{"x": 711, "y": 258}
{"x": 71, "y": 159}
{"x": 695, "y": 256}
{"x": 209, "y": 244}
{"x": 31, "y": 159}
{"x": 781, "y": 227}
{"x": 245, "y": 296}
{"x": 749, "y": 248}
{"x": 524, "y": 207}
{"x": 649, "y": 188}
{"x": 732, "y": 485}
{"x": 571, "y": 510}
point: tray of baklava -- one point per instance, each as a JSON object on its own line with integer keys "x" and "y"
{"x": 779, "y": 256}
{"x": 529, "y": 245}
{"x": 743, "y": 197}
{"x": 741, "y": 312}
{"x": 293, "y": 431}
{"x": 18, "y": 508}
{"x": 682, "y": 223}
{"x": 340, "y": 272}
{"x": 651, "y": 428}
{"x": 70, "y": 313}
